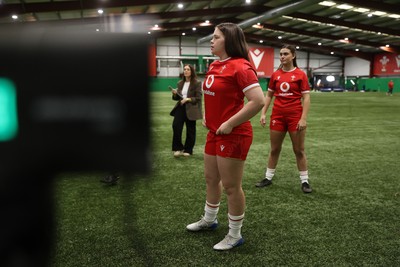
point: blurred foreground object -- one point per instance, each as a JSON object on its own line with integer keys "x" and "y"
{"x": 69, "y": 100}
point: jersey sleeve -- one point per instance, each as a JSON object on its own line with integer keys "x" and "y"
{"x": 305, "y": 86}
{"x": 271, "y": 84}
{"x": 247, "y": 77}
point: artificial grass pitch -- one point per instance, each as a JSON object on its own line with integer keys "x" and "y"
{"x": 351, "y": 218}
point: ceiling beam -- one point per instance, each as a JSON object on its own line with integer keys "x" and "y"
{"x": 374, "y": 5}
{"x": 277, "y": 12}
{"x": 312, "y": 48}
{"x": 273, "y": 42}
{"x": 8, "y": 9}
{"x": 270, "y": 14}
{"x": 353, "y": 41}
{"x": 348, "y": 24}
{"x": 260, "y": 12}
{"x": 54, "y": 6}
{"x": 207, "y": 12}
{"x": 195, "y": 23}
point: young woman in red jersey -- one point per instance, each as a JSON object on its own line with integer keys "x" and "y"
{"x": 291, "y": 89}
{"x": 228, "y": 81}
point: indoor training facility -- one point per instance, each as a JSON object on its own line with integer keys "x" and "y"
{"x": 84, "y": 96}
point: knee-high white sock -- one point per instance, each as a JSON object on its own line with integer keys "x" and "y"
{"x": 303, "y": 176}
{"x": 211, "y": 211}
{"x": 269, "y": 173}
{"x": 235, "y": 225}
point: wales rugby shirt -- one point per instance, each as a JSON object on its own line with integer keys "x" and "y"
{"x": 288, "y": 88}
{"x": 224, "y": 86}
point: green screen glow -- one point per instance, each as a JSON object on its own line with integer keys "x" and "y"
{"x": 8, "y": 110}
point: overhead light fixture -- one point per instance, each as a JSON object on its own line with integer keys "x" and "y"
{"x": 205, "y": 23}
{"x": 378, "y": 13}
{"x": 180, "y": 5}
{"x": 387, "y": 45}
{"x": 357, "y": 49}
{"x": 344, "y": 6}
{"x": 327, "y": 3}
{"x": 332, "y": 53}
{"x": 370, "y": 15}
{"x": 261, "y": 41}
{"x": 248, "y": 1}
{"x": 258, "y": 26}
{"x": 14, "y": 17}
{"x": 279, "y": 37}
{"x": 386, "y": 48}
{"x": 319, "y": 43}
{"x": 297, "y": 47}
{"x": 156, "y": 28}
{"x": 100, "y": 11}
{"x": 394, "y": 16}
{"x": 361, "y": 10}
{"x": 183, "y": 33}
{"x": 194, "y": 29}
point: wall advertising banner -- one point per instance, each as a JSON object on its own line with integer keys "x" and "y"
{"x": 386, "y": 64}
{"x": 262, "y": 59}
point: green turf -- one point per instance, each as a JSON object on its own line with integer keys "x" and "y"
{"x": 351, "y": 219}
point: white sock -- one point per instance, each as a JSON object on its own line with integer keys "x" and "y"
{"x": 210, "y": 212}
{"x": 269, "y": 173}
{"x": 235, "y": 225}
{"x": 303, "y": 176}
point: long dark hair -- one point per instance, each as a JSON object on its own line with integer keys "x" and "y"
{"x": 235, "y": 41}
{"x": 292, "y": 49}
{"x": 193, "y": 75}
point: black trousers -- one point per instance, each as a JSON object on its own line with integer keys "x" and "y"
{"x": 180, "y": 119}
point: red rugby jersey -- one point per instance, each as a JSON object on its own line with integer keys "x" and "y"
{"x": 223, "y": 88}
{"x": 288, "y": 88}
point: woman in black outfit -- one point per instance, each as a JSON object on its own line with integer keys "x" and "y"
{"x": 186, "y": 111}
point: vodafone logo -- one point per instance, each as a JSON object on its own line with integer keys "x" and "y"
{"x": 209, "y": 81}
{"x": 257, "y": 56}
{"x": 284, "y": 87}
